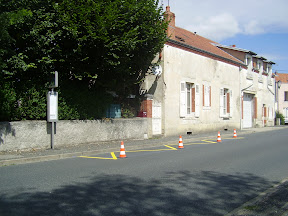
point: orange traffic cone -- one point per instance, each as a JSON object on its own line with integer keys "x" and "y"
{"x": 235, "y": 134}
{"x": 219, "y": 137}
{"x": 180, "y": 142}
{"x": 122, "y": 151}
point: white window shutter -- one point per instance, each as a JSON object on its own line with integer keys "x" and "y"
{"x": 197, "y": 100}
{"x": 231, "y": 103}
{"x": 182, "y": 100}
{"x": 206, "y": 100}
{"x": 210, "y": 93}
{"x": 221, "y": 107}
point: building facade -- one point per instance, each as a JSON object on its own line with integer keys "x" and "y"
{"x": 282, "y": 94}
{"x": 205, "y": 86}
{"x": 257, "y": 88}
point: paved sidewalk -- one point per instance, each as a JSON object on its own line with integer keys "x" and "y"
{"x": 271, "y": 202}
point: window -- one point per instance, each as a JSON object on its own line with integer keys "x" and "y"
{"x": 189, "y": 99}
{"x": 206, "y": 96}
{"x": 248, "y": 62}
{"x": 269, "y": 77}
{"x": 225, "y": 102}
{"x": 286, "y": 96}
{"x": 249, "y": 65}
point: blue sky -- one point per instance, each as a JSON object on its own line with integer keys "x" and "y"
{"x": 259, "y": 26}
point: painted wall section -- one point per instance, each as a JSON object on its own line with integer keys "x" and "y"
{"x": 283, "y": 104}
{"x": 211, "y": 76}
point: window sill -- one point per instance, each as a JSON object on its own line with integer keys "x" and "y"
{"x": 191, "y": 116}
{"x": 226, "y": 117}
{"x": 206, "y": 108}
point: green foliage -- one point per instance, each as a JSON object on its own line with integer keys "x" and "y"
{"x": 31, "y": 105}
{"x": 281, "y": 116}
{"x": 77, "y": 101}
{"x": 96, "y": 46}
{"x": 129, "y": 107}
{"x": 7, "y": 102}
{"x": 118, "y": 39}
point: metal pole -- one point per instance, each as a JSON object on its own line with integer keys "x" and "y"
{"x": 52, "y": 132}
{"x": 52, "y": 136}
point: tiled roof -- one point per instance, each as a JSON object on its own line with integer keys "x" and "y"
{"x": 233, "y": 47}
{"x": 200, "y": 43}
{"x": 282, "y": 77}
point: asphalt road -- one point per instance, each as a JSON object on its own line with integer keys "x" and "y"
{"x": 201, "y": 179}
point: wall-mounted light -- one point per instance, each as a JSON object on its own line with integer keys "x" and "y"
{"x": 279, "y": 84}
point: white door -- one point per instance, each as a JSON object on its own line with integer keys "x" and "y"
{"x": 247, "y": 110}
{"x": 156, "y": 118}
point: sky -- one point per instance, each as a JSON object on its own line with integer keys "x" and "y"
{"x": 260, "y": 26}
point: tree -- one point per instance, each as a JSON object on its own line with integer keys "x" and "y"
{"x": 115, "y": 41}
{"x": 107, "y": 45}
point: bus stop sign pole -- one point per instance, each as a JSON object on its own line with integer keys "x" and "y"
{"x": 52, "y": 108}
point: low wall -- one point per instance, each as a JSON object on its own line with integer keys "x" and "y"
{"x": 37, "y": 134}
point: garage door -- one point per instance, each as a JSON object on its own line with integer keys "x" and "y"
{"x": 247, "y": 110}
{"x": 285, "y": 113}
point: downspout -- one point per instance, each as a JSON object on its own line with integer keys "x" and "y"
{"x": 240, "y": 68}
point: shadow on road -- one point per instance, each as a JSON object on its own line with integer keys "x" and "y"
{"x": 178, "y": 193}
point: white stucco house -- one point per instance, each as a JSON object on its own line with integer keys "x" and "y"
{"x": 282, "y": 94}
{"x": 204, "y": 87}
{"x": 257, "y": 88}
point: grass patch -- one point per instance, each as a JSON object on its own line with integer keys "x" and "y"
{"x": 251, "y": 208}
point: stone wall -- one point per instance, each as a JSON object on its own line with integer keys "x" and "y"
{"x": 24, "y": 135}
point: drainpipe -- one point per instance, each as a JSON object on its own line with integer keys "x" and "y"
{"x": 240, "y": 68}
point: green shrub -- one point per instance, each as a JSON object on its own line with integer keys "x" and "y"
{"x": 280, "y": 115}
{"x": 7, "y": 102}
{"x": 76, "y": 100}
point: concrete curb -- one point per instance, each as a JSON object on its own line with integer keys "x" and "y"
{"x": 245, "y": 210}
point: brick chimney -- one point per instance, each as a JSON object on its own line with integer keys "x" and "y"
{"x": 171, "y": 18}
